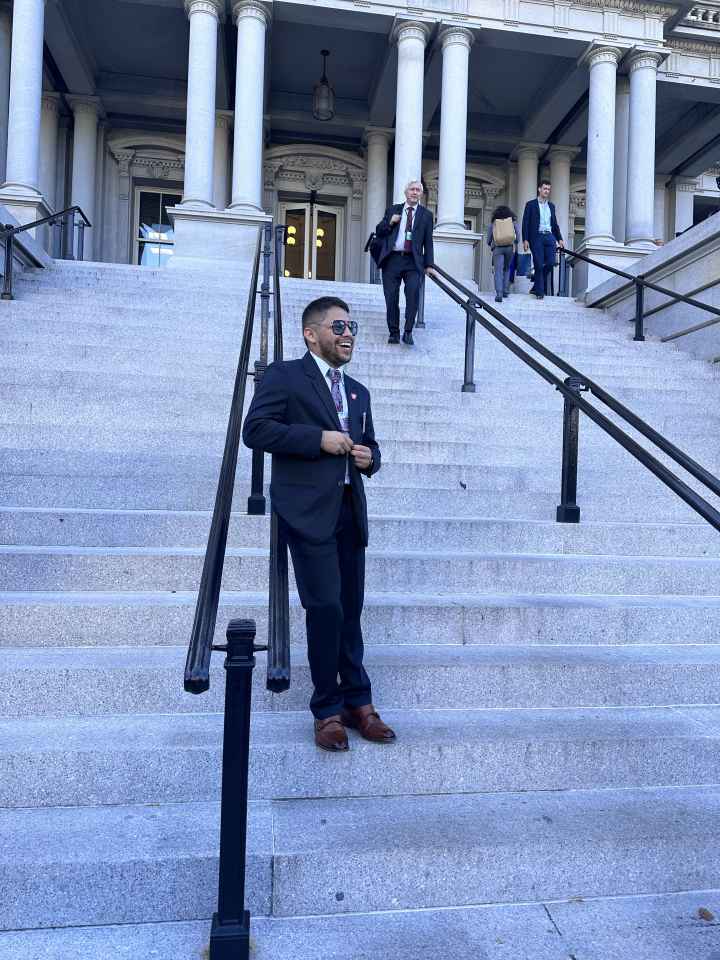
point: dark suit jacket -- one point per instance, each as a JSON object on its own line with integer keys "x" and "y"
{"x": 531, "y": 222}
{"x": 290, "y": 409}
{"x": 422, "y": 241}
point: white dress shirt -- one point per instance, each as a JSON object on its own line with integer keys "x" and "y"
{"x": 545, "y": 226}
{"x": 344, "y": 417}
{"x": 402, "y": 229}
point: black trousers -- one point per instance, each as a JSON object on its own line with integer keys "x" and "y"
{"x": 400, "y": 267}
{"x": 544, "y": 251}
{"x": 330, "y": 578}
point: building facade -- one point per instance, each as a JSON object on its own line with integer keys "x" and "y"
{"x": 178, "y": 127}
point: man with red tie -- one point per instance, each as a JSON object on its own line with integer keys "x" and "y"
{"x": 407, "y": 253}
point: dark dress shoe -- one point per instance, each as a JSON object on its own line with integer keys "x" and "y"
{"x": 408, "y": 339}
{"x": 330, "y": 734}
{"x": 394, "y": 338}
{"x": 539, "y": 296}
{"x": 498, "y": 299}
{"x": 366, "y": 720}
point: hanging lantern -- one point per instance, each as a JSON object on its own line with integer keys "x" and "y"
{"x": 323, "y": 94}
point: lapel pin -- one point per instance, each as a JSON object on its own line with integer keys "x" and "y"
{"x": 353, "y": 396}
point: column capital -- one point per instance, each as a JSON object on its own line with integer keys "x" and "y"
{"x": 80, "y": 104}
{"x": 224, "y": 119}
{"x": 684, "y": 184}
{"x": 251, "y": 10}
{"x": 216, "y": 8}
{"x": 533, "y": 150}
{"x": 638, "y": 59}
{"x": 451, "y": 34}
{"x": 50, "y": 102}
{"x": 409, "y": 30}
{"x": 559, "y": 152}
{"x": 378, "y": 134}
{"x": 600, "y": 53}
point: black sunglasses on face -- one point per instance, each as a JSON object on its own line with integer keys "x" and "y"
{"x": 338, "y": 327}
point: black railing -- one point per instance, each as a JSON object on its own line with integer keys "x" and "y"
{"x": 640, "y": 283}
{"x": 66, "y": 250}
{"x": 571, "y": 389}
{"x": 230, "y": 931}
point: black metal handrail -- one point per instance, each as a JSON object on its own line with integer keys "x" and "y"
{"x": 9, "y": 231}
{"x": 197, "y": 665}
{"x": 640, "y": 282}
{"x": 576, "y": 382}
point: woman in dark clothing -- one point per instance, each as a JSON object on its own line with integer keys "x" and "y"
{"x": 503, "y": 238}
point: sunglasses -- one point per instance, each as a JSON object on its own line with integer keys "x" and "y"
{"x": 338, "y": 327}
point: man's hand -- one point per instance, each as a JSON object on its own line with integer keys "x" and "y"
{"x": 335, "y": 442}
{"x": 561, "y": 244}
{"x": 395, "y": 218}
{"x": 430, "y": 272}
{"x": 362, "y": 456}
{"x": 526, "y": 246}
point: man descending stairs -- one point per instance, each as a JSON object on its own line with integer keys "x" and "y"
{"x": 553, "y": 792}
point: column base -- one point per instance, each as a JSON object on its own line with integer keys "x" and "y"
{"x": 585, "y": 276}
{"x": 455, "y": 252}
{"x": 26, "y": 205}
{"x": 214, "y": 238}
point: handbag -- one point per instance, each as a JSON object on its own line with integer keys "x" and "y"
{"x": 524, "y": 264}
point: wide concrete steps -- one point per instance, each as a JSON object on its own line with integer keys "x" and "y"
{"x": 161, "y": 758}
{"x": 97, "y": 681}
{"x": 321, "y": 857}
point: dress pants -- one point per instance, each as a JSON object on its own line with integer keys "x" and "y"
{"x": 544, "y": 250}
{"x": 401, "y": 267}
{"x": 330, "y": 578}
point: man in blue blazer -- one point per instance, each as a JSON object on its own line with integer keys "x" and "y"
{"x": 407, "y": 253}
{"x": 540, "y": 230}
{"x": 317, "y": 423}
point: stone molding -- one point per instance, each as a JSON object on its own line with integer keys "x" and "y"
{"x": 643, "y": 58}
{"x": 378, "y": 133}
{"x": 216, "y": 8}
{"x": 536, "y": 149}
{"x": 702, "y": 48}
{"x": 460, "y": 36}
{"x": 88, "y": 105}
{"x": 684, "y": 184}
{"x": 558, "y": 150}
{"x": 601, "y": 53}
{"x": 409, "y": 30}
{"x": 315, "y": 172}
{"x": 630, "y": 6}
{"x": 124, "y": 160}
{"x": 50, "y": 102}
{"x": 251, "y": 10}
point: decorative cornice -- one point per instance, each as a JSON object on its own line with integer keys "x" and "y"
{"x": 216, "y": 8}
{"x": 698, "y": 47}
{"x": 460, "y": 36}
{"x": 630, "y": 6}
{"x": 251, "y": 10}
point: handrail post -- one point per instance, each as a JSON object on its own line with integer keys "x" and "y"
{"x": 421, "y": 304}
{"x": 7, "y": 293}
{"x": 568, "y": 510}
{"x": 70, "y": 239}
{"x": 563, "y": 276}
{"x": 639, "y": 309}
{"x": 278, "y": 658}
{"x": 469, "y": 381}
{"x": 256, "y": 500}
{"x": 230, "y": 931}
{"x": 81, "y": 240}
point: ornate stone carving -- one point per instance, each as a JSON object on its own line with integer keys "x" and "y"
{"x": 456, "y": 35}
{"x": 410, "y": 30}
{"x": 250, "y": 10}
{"x": 700, "y": 48}
{"x": 630, "y": 6}
{"x": 215, "y": 8}
{"x": 641, "y": 59}
{"x": 603, "y": 55}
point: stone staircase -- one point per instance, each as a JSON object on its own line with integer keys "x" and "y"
{"x": 554, "y": 791}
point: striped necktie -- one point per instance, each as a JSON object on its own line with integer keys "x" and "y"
{"x": 338, "y": 400}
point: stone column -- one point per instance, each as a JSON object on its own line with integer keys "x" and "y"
{"x": 49, "y": 147}
{"x": 376, "y": 192}
{"x": 23, "y": 150}
{"x": 641, "y": 148}
{"x": 622, "y": 115}
{"x": 252, "y": 21}
{"x": 560, "y": 160}
{"x": 124, "y": 182}
{"x": 86, "y": 111}
{"x": 200, "y": 122}
{"x": 659, "y": 217}
{"x": 456, "y": 43}
{"x": 410, "y": 38}
{"x": 527, "y": 155}
{"x": 223, "y": 122}
{"x": 602, "y": 62}
{"x": 683, "y": 197}
{"x": 5, "y": 54}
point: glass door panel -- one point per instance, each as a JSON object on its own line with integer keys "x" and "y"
{"x": 313, "y": 240}
{"x": 296, "y": 259}
{"x": 325, "y": 222}
{"x": 154, "y": 234}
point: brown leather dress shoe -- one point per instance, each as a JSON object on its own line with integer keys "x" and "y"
{"x": 366, "y": 720}
{"x": 330, "y": 734}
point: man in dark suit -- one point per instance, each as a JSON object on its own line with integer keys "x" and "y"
{"x": 407, "y": 253}
{"x": 540, "y": 231}
{"x": 317, "y": 424}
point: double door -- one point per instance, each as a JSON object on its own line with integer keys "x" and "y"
{"x": 313, "y": 240}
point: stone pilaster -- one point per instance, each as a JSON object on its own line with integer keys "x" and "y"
{"x": 86, "y": 111}
{"x": 221, "y": 179}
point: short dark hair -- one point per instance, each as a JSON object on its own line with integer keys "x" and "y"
{"x": 544, "y": 182}
{"x": 502, "y": 213}
{"x": 315, "y": 311}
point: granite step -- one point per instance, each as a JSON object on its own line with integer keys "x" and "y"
{"x": 154, "y": 759}
{"x": 90, "y": 681}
